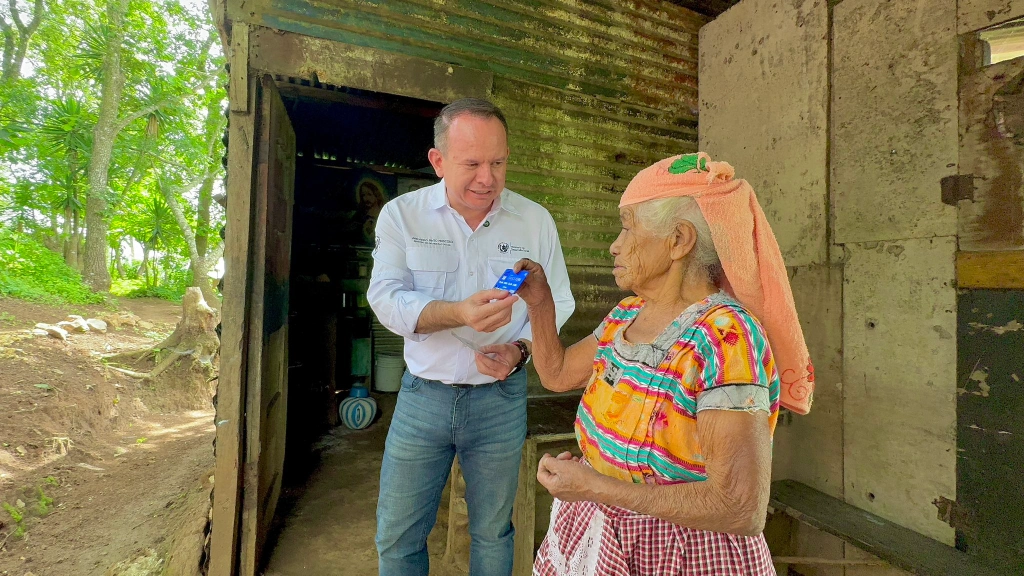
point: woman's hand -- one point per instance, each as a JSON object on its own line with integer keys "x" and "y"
{"x": 567, "y": 479}
{"x": 535, "y": 289}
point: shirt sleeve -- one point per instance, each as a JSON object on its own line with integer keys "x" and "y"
{"x": 558, "y": 278}
{"x": 391, "y": 293}
{"x": 733, "y": 350}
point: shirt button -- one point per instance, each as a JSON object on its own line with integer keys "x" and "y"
{"x": 470, "y": 273}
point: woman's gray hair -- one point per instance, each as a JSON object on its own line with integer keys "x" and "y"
{"x": 661, "y": 216}
{"x": 473, "y": 106}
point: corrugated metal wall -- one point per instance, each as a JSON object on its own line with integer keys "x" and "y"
{"x": 593, "y": 91}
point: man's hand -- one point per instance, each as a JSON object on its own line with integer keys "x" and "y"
{"x": 487, "y": 310}
{"x": 508, "y": 356}
{"x": 566, "y": 479}
{"x": 535, "y": 290}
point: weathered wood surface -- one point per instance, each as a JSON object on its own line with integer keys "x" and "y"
{"x": 990, "y": 429}
{"x": 238, "y": 60}
{"x": 977, "y": 14}
{"x": 234, "y": 342}
{"x": 895, "y": 544}
{"x": 366, "y": 68}
{"x": 990, "y": 269}
{"x": 266, "y": 395}
{"x": 991, "y": 151}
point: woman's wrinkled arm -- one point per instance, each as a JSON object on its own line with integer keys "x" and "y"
{"x": 738, "y": 459}
{"x": 560, "y": 368}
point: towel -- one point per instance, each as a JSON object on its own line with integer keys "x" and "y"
{"x": 755, "y": 273}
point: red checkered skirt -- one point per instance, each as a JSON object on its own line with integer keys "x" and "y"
{"x": 590, "y": 539}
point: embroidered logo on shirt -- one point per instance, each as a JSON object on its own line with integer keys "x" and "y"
{"x": 503, "y": 247}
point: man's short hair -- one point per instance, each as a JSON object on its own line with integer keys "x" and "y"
{"x": 473, "y": 106}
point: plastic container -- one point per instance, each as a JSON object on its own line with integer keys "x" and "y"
{"x": 357, "y": 411}
{"x": 388, "y": 377}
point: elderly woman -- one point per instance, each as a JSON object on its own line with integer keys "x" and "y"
{"x": 682, "y": 387}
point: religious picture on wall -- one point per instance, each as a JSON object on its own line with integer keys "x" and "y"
{"x": 369, "y": 192}
{"x": 370, "y": 199}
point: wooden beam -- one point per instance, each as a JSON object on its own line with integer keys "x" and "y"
{"x": 238, "y": 80}
{"x": 896, "y": 545}
{"x": 230, "y": 386}
{"x": 802, "y": 561}
{"x": 990, "y": 269}
{"x": 329, "y": 62}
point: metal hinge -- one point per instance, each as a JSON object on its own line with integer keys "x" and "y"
{"x": 956, "y": 188}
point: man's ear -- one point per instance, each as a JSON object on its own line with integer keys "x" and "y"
{"x": 437, "y": 161}
{"x": 683, "y": 240}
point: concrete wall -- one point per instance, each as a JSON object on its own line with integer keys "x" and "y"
{"x": 844, "y": 119}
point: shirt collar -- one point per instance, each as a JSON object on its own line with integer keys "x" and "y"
{"x": 439, "y": 199}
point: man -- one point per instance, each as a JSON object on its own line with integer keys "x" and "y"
{"x": 439, "y": 252}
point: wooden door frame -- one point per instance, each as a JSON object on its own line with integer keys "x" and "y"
{"x": 255, "y": 51}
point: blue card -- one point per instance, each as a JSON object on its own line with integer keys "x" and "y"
{"x": 511, "y": 281}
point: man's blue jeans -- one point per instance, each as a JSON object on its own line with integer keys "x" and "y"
{"x": 486, "y": 427}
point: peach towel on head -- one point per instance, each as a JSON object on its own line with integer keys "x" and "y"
{"x": 755, "y": 273}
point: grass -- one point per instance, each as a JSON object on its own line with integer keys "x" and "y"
{"x": 30, "y": 271}
{"x": 136, "y": 288}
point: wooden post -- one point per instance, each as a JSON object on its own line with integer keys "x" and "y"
{"x": 524, "y": 511}
{"x": 231, "y": 383}
{"x": 456, "y": 553}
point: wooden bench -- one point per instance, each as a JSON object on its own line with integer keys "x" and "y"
{"x": 899, "y": 546}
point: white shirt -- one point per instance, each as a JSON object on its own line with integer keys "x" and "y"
{"x": 425, "y": 251}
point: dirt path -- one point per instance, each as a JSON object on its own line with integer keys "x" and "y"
{"x": 104, "y": 470}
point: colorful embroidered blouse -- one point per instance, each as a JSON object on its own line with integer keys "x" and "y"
{"x": 638, "y": 417}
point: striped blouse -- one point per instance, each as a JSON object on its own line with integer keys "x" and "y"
{"x": 637, "y": 420}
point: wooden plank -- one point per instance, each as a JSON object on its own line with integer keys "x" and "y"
{"x": 806, "y": 561}
{"x": 990, "y": 110}
{"x": 290, "y": 54}
{"x": 990, "y": 269}
{"x": 990, "y": 430}
{"x": 234, "y": 349}
{"x": 456, "y": 554}
{"x": 524, "y": 512}
{"x": 266, "y": 394}
{"x": 238, "y": 81}
{"x": 977, "y": 14}
{"x": 896, "y": 545}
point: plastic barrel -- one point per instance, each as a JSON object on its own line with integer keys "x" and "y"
{"x": 389, "y": 373}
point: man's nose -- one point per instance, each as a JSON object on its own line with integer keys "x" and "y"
{"x": 485, "y": 175}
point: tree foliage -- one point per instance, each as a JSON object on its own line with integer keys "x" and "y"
{"x": 111, "y": 117}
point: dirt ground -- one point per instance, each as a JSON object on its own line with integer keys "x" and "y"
{"x": 329, "y": 521}
{"x": 108, "y": 474}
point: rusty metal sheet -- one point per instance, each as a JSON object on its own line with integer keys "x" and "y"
{"x": 894, "y": 119}
{"x": 775, "y": 135}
